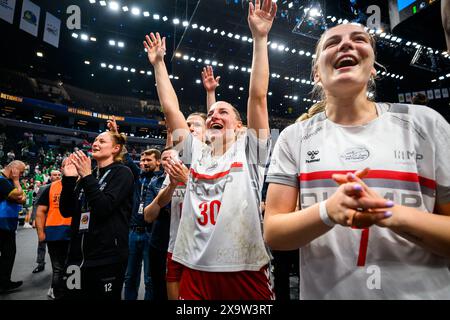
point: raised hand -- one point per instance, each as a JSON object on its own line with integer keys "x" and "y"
{"x": 156, "y": 48}
{"x": 82, "y": 163}
{"x": 209, "y": 82}
{"x": 260, "y": 17}
{"x": 112, "y": 125}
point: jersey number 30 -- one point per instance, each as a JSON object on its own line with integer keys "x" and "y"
{"x": 209, "y": 212}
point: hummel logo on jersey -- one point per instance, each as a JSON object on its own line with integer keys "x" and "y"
{"x": 312, "y": 156}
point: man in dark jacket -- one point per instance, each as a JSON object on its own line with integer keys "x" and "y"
{"x": 140, "y": 231}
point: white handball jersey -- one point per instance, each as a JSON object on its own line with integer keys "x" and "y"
{"x": 176, "y": 206}
{"x": 221, "y": 225}
{"x": 407, "y": 149}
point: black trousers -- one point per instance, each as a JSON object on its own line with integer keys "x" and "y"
{"x": 158, "y": 273}
{"x": 97, "y": 283}
{"x": 284, "y": 262}
{"x": 7, "y": 255}
{"x": 41, "y": 250}
{"x": 58, "y": 254}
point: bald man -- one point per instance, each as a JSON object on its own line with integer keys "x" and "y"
{"x": 11, "y": 199}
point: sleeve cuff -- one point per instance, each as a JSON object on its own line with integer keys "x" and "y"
{"x": 283, "y": 179}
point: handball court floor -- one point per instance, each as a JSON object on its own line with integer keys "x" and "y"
{"x": 35, "y": 286}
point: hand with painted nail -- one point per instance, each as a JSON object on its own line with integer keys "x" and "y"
{"x": 389, "y": 218}
{"x": 343, "y": 178}
{"x": 353, "y": 205}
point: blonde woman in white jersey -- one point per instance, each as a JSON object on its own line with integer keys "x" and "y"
{"x": 174, "y": 186}
{"x": 220, "y": 239}
{"x": 387, "y": 237}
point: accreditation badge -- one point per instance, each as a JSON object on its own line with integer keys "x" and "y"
{"x": 84, "y": 222}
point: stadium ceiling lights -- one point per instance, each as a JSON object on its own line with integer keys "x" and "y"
{"x": 441, "y": 78}
{"x": 305, "y": 100}
{"x": 114, "y": 43}
{"x": 244, "y": 38}
{"x": 135, "y": 11}
{"x": 83, "y": 36}
{"x": 233, "y": 67}
{"x": 392, "y": 75}
{"x": 104, "y": 65}
{"x": 114, "y": 5}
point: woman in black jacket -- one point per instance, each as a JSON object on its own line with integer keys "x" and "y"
{"x": 100, "y": 204}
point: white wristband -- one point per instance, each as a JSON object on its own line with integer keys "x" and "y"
{"x": 324, "y": 215}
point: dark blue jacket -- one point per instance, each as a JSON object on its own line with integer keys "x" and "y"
{"x": 141, "y": 188}
{"x": 161, "y": 226}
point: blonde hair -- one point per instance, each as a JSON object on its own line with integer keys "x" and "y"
{"x": 317, "y": 92}
{"x": 118, "y": 139}
{"x": 198, "y": 114}
{"x": 313, "y": 110}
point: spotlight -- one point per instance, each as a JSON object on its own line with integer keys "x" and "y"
{"x": 136, "y": 11}
{"x": 113, "y": 5}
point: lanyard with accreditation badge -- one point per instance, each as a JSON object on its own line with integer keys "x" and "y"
{"x": 85, "y": 213}
{"x": 141, "y": 204}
